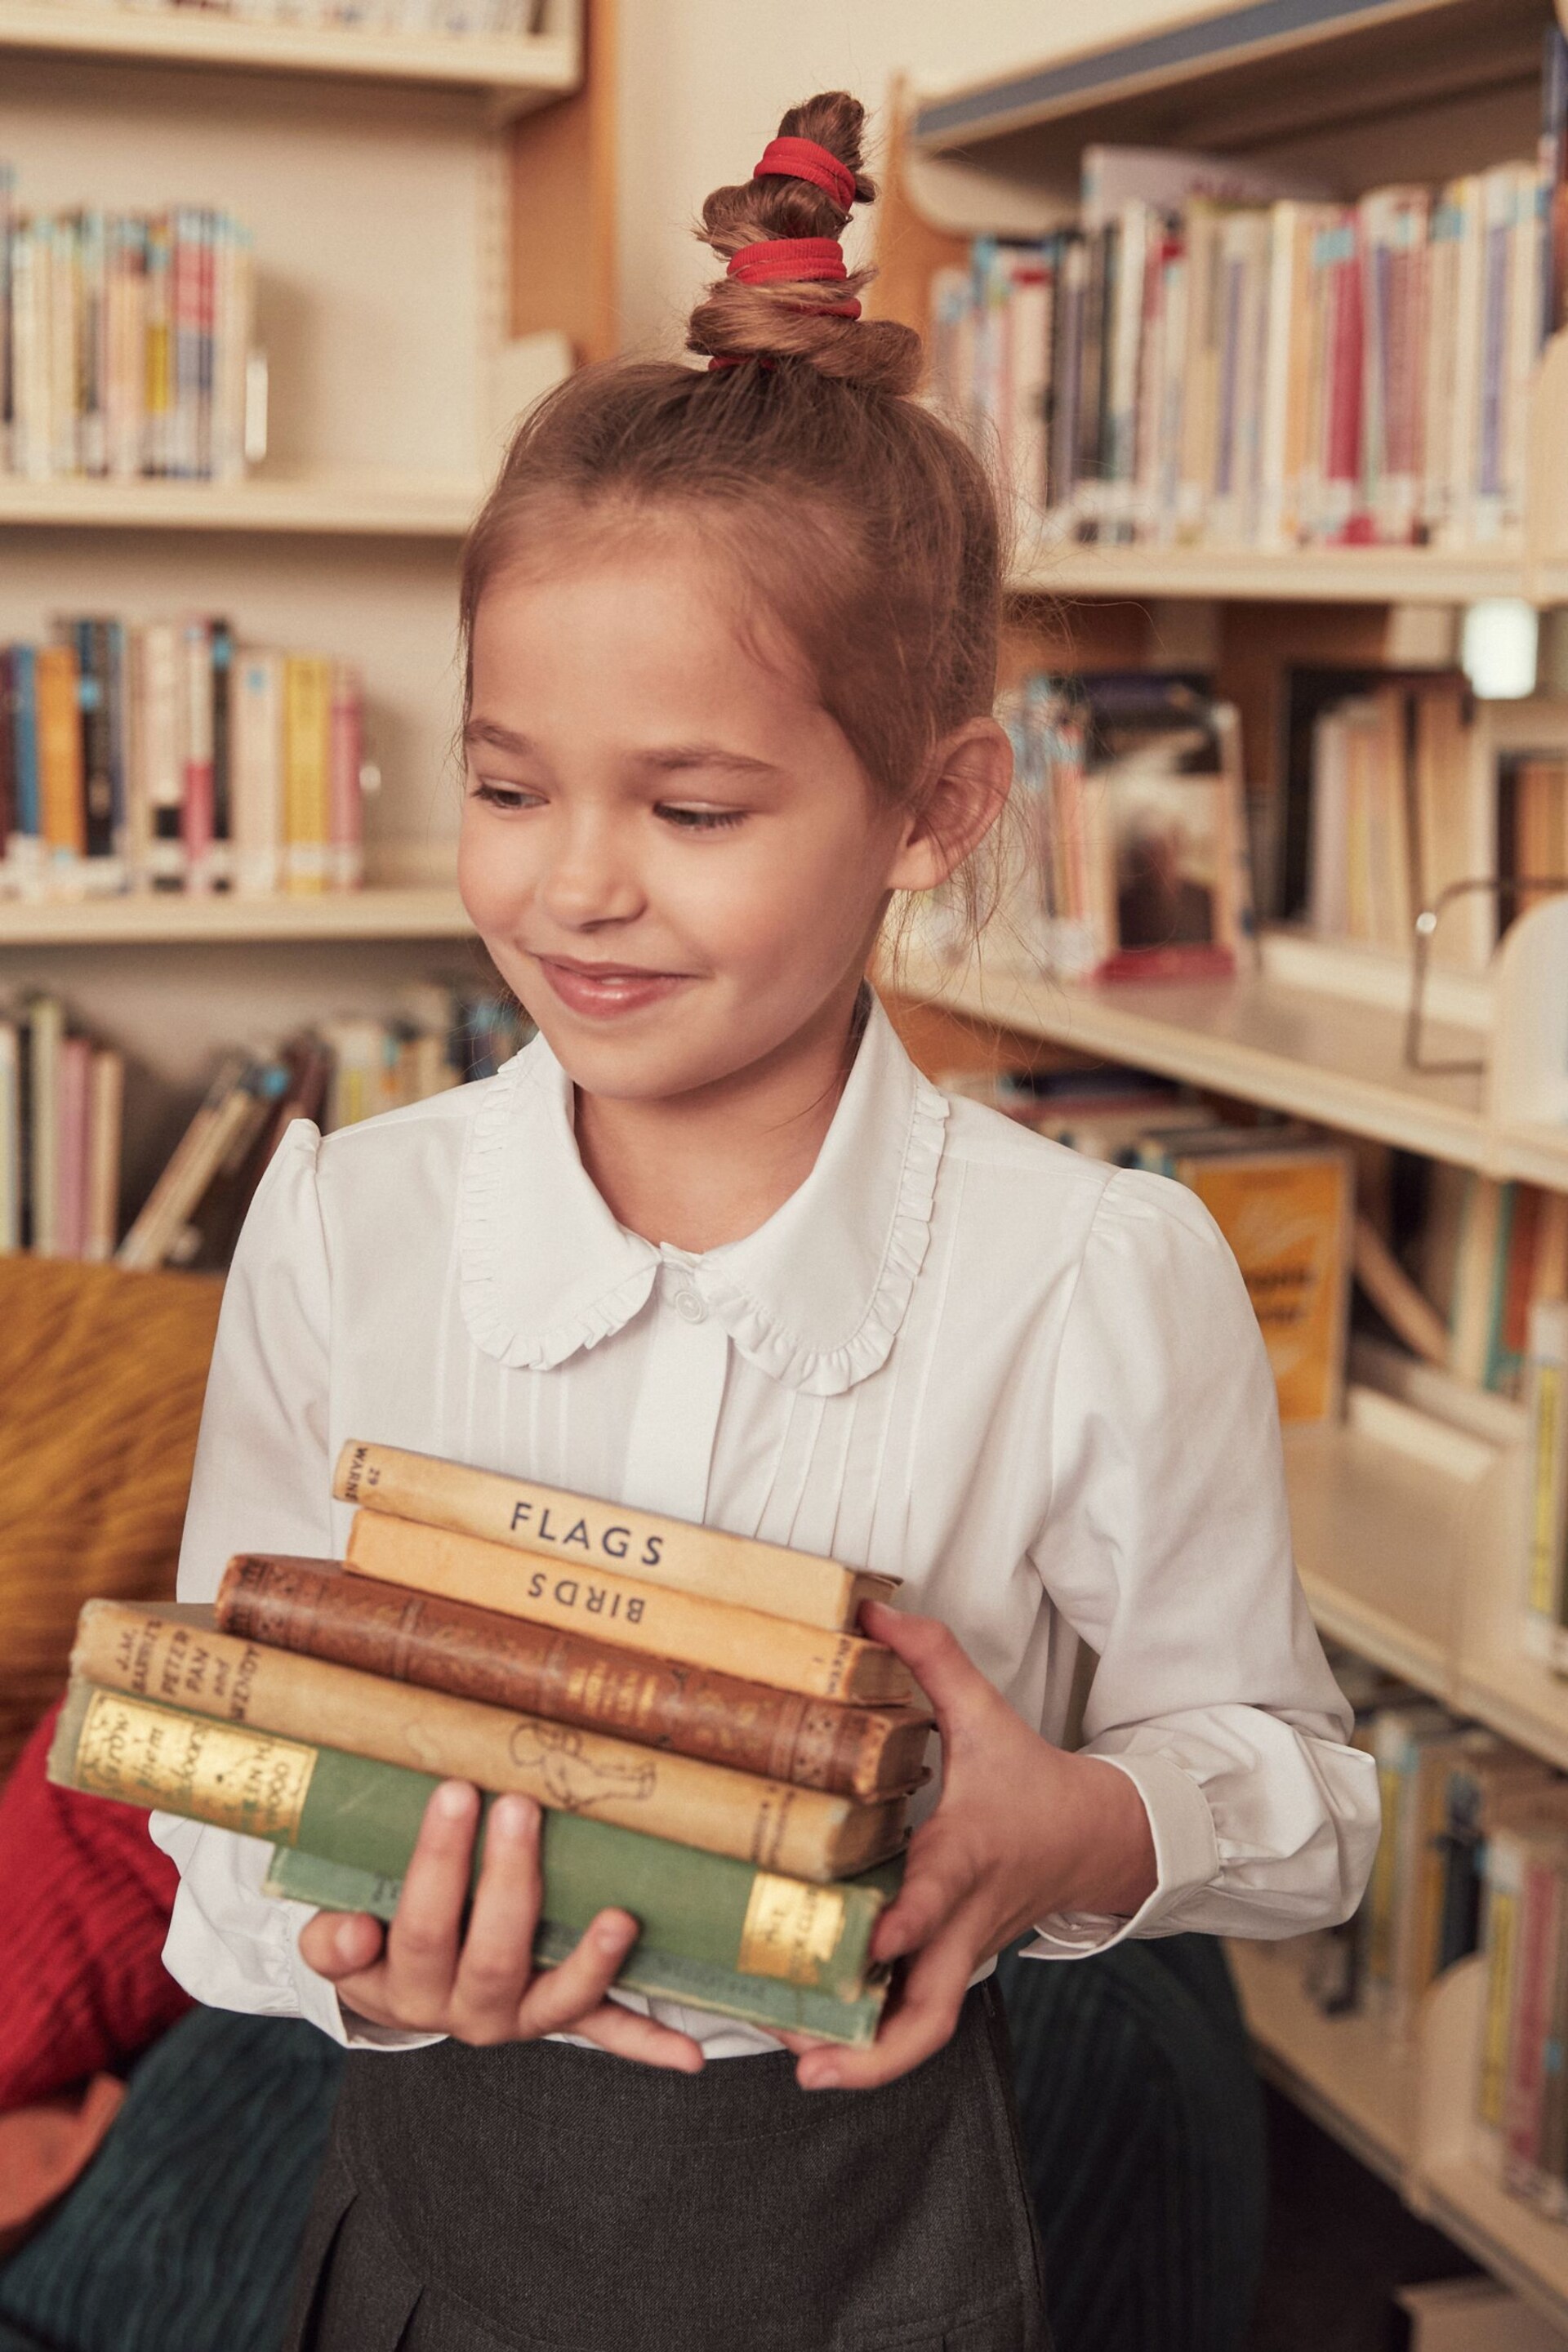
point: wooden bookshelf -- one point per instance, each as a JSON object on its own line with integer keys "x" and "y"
{"x": 328, "y": 503}
{"x": 516, "y": 71}
{"x": 1402, "y": 2102}
{"x": 146, "y": 920}
{"x": 417, "y": 201}
{"x": 1349, "y": 2073}
{"x": 1333, "y": 1053}
{"x": 1348, "y": 575}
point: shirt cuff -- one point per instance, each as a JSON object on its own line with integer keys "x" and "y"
{"x": 320, "y": 2002}
{"x": 1186, "y": 1856}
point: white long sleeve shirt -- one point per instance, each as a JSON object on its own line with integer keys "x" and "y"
{"x": 1031, "y": 1386}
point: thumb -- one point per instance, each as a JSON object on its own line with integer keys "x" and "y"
{"x": 338, "y": 1944}
{"x": 936, "y": 1658}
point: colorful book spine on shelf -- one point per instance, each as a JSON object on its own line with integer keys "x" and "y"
{"x": 1211, "y": 359}
{"x": 60, "y": 1135}
{"x": 193, "y": 1210}
{"x": 1511, "y": 1257}
{"x": 126, "y": 338}
{"x": 170, "y": 756}
{"x": 1132, "y": 858}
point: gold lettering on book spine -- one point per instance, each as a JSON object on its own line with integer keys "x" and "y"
{"x": 791, "y": 1930}
{"x": 239, "y": 1778}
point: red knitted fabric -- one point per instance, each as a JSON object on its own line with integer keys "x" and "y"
{"x": 85, "y": 1909}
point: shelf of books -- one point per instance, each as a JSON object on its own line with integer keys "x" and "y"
{"x": 1403, "y": 2101}
{"x": 331, "y": 502}
{"x": 518, "y": 68}
{"x": 147, "y": 918}
{"x": 1145, "y": 269}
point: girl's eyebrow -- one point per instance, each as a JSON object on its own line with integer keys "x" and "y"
{"x": 499, "y": 738}
{"x": 679, "y": 756}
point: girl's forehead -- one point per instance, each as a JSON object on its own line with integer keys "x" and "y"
{"x": 659, "y": 622}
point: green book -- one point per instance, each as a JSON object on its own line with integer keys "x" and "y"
{"x": 349, "y": 1808}
{"x": 304, "y": 1877}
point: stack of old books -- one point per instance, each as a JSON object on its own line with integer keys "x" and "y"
{"x": 717, "y": 1749}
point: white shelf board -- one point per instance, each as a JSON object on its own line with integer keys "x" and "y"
{"x": 1369, "y": 575}
{"x": 1349, "y": 2073}
{"x": 526, "y": 68}
{"x": 1379, "y": 1505}
{"x": 331, "y": 502}
{"x": 149, "y": 919}
{"x": 1268, "y": 69}
{"x": 1317, "y": 1055}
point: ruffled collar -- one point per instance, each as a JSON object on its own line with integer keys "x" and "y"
{"x": 814, "y": 1297}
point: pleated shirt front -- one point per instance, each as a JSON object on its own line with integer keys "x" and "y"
{"x": 1030, "y": 1385}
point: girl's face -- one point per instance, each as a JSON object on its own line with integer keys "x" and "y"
{"x": 668, "y": 848}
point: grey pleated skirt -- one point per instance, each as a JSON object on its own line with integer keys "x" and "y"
{"x": 540, "y": 2198}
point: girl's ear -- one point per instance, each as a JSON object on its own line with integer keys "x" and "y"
{"x": 972, "y": 772}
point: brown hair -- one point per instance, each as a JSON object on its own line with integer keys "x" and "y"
{"x": 852, "y": 516}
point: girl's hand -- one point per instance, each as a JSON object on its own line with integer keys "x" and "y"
{"x": 424, "y": 1975}
{"x": 1023, "y": 1829}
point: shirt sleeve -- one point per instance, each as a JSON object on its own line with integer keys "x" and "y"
{"x": 262, "y": 1482}
{"x": 1168, "y": 1550}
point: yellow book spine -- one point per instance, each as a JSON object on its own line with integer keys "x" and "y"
{"x": 1503, "y": 1916}
{"x": 628, "y": 1613}
{"x": 576, "y": 1529}
{"x": 177, "y": 1657}
{"x": 306, "y": 755}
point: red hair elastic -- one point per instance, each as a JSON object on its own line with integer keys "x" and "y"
{"x": 797, "y": 259}
{"x": 803, "y": 159}
{"x": 788, "y": 256}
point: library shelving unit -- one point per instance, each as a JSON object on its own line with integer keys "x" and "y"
{"x": 1407, "y": 1512}
{"x": 517, "y": 71}
{"x": 421, "y": 205}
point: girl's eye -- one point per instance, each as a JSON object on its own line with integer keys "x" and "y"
{"x": 698, "y": 820}
{"x": 502, "y": 795}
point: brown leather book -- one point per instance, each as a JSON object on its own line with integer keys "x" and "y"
{"x": 311, "y": 1606}
{"x": 173, "y": 1656}
{"x": 628, "y": 1613}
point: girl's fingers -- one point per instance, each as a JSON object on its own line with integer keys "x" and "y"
{"x": 496, "y": 1961}
{"x": 421, "y": 1944}
{"x": 936, "y": 1658}
{"x": 924, "y": 2018}
{"x": 558, "y": 1996}
{"x": 626, "y": 2035}
{"x": 339, "y": 1944}
{"x": 938, "y": 1880}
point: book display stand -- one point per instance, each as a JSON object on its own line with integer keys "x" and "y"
{"x": 422, "y": 206}
{"x": 1409, "y": 1513}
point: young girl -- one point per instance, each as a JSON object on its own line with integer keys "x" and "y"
{"x": 713, "y": 1247}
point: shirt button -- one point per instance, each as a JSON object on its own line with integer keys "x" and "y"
{"x": 689, "y": 1307}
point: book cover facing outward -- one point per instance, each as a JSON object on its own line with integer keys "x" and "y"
{"x": 1289, "y": 1216}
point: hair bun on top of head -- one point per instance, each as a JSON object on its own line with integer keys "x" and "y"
{"x": 786, "y": 292}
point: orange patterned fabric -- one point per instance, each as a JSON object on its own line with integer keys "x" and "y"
{"x": 102, "y": 1379}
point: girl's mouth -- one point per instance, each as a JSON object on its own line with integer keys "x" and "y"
{"x": 603, "y": 990}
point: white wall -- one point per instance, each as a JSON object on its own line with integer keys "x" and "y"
{"x": 703, "y": 82}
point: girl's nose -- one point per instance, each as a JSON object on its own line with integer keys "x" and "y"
{"x": 589, "y": 880}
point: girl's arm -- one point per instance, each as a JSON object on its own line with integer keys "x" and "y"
{"x": 262, "y": 1482}
{"x": 1214, "y": 1790}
